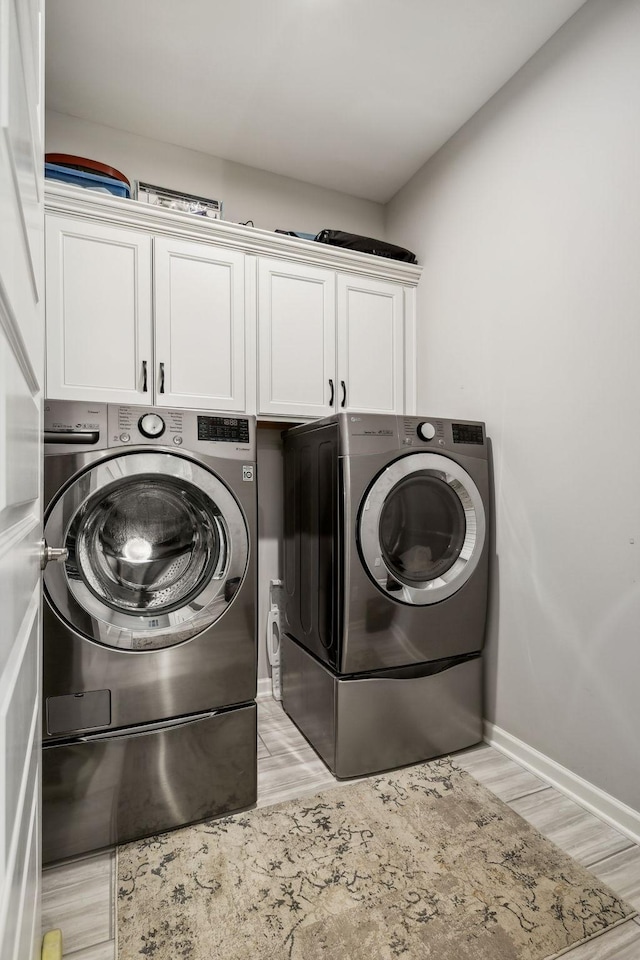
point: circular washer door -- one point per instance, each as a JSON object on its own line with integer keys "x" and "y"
{"x": 421, "y": 528}
{"x": 158, "y": 547}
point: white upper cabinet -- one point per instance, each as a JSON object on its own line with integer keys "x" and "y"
{"x": 155, "y": 307}
{"x": 370, "y": 324}
{"x": 105, "y": 340}
{"x": 199, "y": 326}
{"x": 328, "y": 342}
{"x": 296, "y": 339}
{"x": 98, "y": 283}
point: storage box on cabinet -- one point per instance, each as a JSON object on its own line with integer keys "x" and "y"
{"x": 133, "y": 318}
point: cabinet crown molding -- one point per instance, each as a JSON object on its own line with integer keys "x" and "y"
{"x": 87, "y": 205}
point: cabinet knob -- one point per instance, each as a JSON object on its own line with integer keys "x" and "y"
{"x": 332, "y": 391}
{"x": 161, "y": 378}
{"x": 344, "y": 393}
{"x": 144, "y": 376}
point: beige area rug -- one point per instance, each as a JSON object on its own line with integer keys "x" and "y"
{"x": 420, "y": 863}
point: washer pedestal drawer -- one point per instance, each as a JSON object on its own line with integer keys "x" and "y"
{"x": 366, "y": 724}
{"x": 121, "y": 785}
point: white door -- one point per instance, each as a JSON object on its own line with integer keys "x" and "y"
{"x": 296, "y": 339}
{"x": 370, "y": 345}
{"x": 98, "y": 312}
{"x": 21, "y": 377}
{"x": 199, "y": 326}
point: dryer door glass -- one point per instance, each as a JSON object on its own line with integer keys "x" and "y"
{"x": 421, "y": 528}
{"x": 158, "y": 548}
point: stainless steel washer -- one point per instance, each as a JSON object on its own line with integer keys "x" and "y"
{"x": 385, "y": 600}
{"x": 149, "y": 622}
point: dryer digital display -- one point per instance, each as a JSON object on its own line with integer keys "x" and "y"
{"x": 467, "y": 433}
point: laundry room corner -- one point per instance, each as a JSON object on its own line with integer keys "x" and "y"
{"x": 528, "y": 223}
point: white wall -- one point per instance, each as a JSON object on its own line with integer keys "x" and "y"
{"x": 528, "y": 225}
{"x": 271, "y": 201}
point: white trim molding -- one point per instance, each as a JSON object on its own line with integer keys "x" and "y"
{"x": 592, "y": 798}
{"x": 91, "y": 205}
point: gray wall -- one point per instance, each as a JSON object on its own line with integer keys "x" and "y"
{"x": 271, "y": 201}
{"x": 528, "y": 225}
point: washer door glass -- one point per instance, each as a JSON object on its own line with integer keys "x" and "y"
{"x": 158, "y": 547}
{"x": 421, "y": 528}
{"x": 148, "y": 545}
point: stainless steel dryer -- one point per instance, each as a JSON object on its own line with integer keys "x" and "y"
{"x": 149, "y": 675}
{"x": 385, "y": 599}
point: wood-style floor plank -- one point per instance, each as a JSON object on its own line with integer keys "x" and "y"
{"x": 621, "y": 943}
{"x": 504, "y": 777}
{"x": 572, "y": 828}
{"x": 286, "y": 777}
{"x": 77, "y": 898}
{"x": 102, "y": 951}
{"x": 622, "y": 873}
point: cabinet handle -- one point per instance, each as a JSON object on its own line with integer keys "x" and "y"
{"x": 144, "y": 376}
{"x": 344, "y": 393}
{"x": 162, "y": 378}
{"x": 331, "y": 397}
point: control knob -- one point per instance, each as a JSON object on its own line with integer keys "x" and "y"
{"x": 426, "y": 431}
{"x": 151, "y": 425}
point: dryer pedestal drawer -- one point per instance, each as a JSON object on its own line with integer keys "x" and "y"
{"x": 366, "y": 724}
{"x": 126, "y": 784}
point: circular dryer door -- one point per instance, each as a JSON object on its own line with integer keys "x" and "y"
{"x": 158, "y": 547}
{"x": 421, "y": 528}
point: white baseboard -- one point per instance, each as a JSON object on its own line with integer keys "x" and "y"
{"x": 592, "y": 798}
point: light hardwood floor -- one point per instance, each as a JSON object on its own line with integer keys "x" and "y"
{"x": 79, "y": 896}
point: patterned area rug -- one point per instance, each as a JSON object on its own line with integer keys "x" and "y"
{"x": 420, "y": 863}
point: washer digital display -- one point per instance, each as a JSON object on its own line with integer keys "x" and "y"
{"x": 226, "y": 429}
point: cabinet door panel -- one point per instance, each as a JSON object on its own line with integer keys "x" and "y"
{"x": 296, "y": 324}
{"x": 199, "y": 312}
{"x": 370, "y": 344}
{"x": 98, "y": 312}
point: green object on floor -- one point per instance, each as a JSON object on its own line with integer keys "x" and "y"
{"x": 52, "y": 945}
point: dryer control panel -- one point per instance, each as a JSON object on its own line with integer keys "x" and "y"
{"x": 466, "y": 436}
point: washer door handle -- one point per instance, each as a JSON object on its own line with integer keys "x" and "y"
{"x": 47, "y": 554}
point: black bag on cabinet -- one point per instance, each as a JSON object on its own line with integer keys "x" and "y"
{"x": 352, "y": 241}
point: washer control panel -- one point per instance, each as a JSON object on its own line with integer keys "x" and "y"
{"x": 135, "y": 425}
{"x": 151, "y": 425}
{"x": 426, "y": 430}
{"x": 72, "y": 426}
{"x": 189, "y": 430}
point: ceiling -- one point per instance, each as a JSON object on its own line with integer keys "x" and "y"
{"x": 353, "y": 95}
